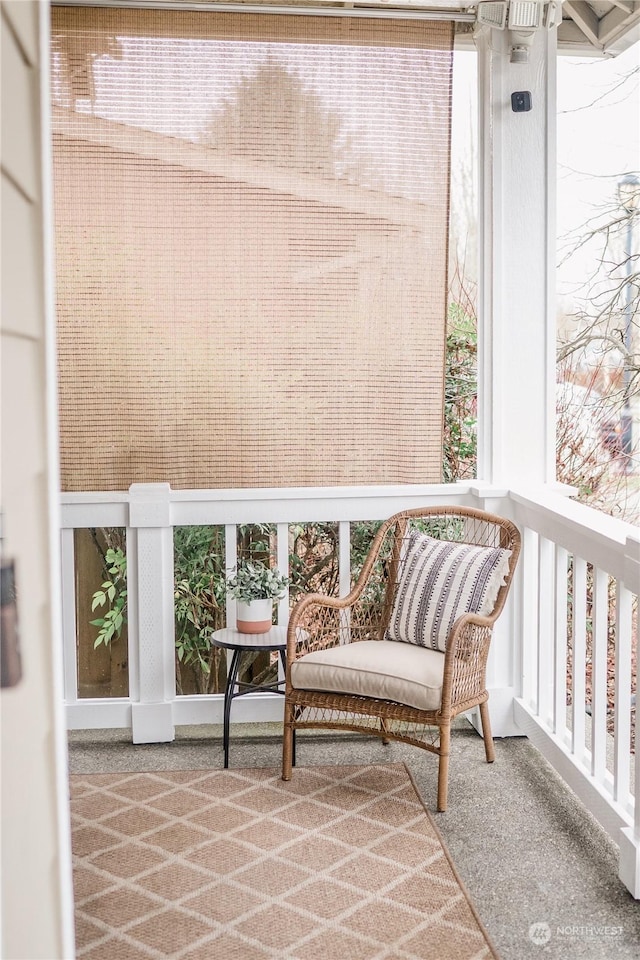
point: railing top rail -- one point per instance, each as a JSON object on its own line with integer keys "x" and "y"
{"x": 273, "y": 493}
{"x": 95, "y": 496}
{"x": 141, "y": 502}
{"x": 611, "y": 544}
{"x": 576, "y": 515}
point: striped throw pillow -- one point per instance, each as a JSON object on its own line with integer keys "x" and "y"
{"x": 438, "y": 582}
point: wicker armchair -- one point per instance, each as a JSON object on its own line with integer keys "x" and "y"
{"x": 347, "y": 667}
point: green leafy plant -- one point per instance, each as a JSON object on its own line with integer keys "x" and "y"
{"x": 460, "y": 397}
{"x": 199, "y": 603}
{"x": 256, "y": 581}
{"x": 113, "y": 595}
{"x": 313, "y": 559}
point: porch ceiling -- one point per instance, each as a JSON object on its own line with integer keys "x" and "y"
{"x": 588, "y": 26}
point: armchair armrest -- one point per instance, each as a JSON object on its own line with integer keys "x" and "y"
{"x": 465, "y": 663}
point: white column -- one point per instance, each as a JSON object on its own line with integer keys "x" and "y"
{"x": 151, "y": 613}
{"x": 516, "y": 342}
{"x": 517, "y": 264}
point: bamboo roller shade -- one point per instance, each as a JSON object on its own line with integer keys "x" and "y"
{"x": 251, "y": 220}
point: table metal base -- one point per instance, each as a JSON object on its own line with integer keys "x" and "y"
{"x": 230, "y": 693}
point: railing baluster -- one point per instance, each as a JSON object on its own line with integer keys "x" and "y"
{"x": 622, "y": 706}
{"x": 560, "y": 652}
{"x": 132, "y": 618}
{"x": 344, "y": 568}
{"x": 230, "y": 562}
{"x": 546, "y": 590}
{"x": 600, "y": 618}
{"x": 579, "y": 636}
{"x": 344, "y": 541}
{"x": 282, "y": 560}
{"x": 636, "y": 791}
{"x": 529, "y": 582}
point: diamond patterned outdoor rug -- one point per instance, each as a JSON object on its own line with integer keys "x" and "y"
{"x": 341, "y": 863}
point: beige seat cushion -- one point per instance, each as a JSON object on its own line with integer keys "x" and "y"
{"x": 383, "y": 669}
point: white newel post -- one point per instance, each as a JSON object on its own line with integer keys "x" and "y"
{"x": 152, "y": 641}
{"x": 504, "y": 659}
{"x": 516, "y": 403}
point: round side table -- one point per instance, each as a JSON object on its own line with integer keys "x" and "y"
{"x": 229, "y": 639}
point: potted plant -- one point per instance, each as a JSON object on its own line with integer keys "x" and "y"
{"x": 255, "y": 586}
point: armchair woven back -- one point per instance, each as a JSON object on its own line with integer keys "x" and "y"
{"x": 364, "y": 613}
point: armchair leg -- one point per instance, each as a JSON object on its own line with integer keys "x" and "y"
{"x": 383, "y": 728}
{"x": 486, "y": 732}
{"x": 287, "y": 743}
{"x": 443, "y": 767}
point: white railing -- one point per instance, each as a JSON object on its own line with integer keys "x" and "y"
{"x": 149, "y": 512}
{"x": 578, "y": 577}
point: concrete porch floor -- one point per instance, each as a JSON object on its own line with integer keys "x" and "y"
{"x": 525, "y": 847}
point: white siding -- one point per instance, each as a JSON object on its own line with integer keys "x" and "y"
{"x": 36, "y": 889}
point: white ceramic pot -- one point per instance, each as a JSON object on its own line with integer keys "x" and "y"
{"x": 254, "y": 617}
